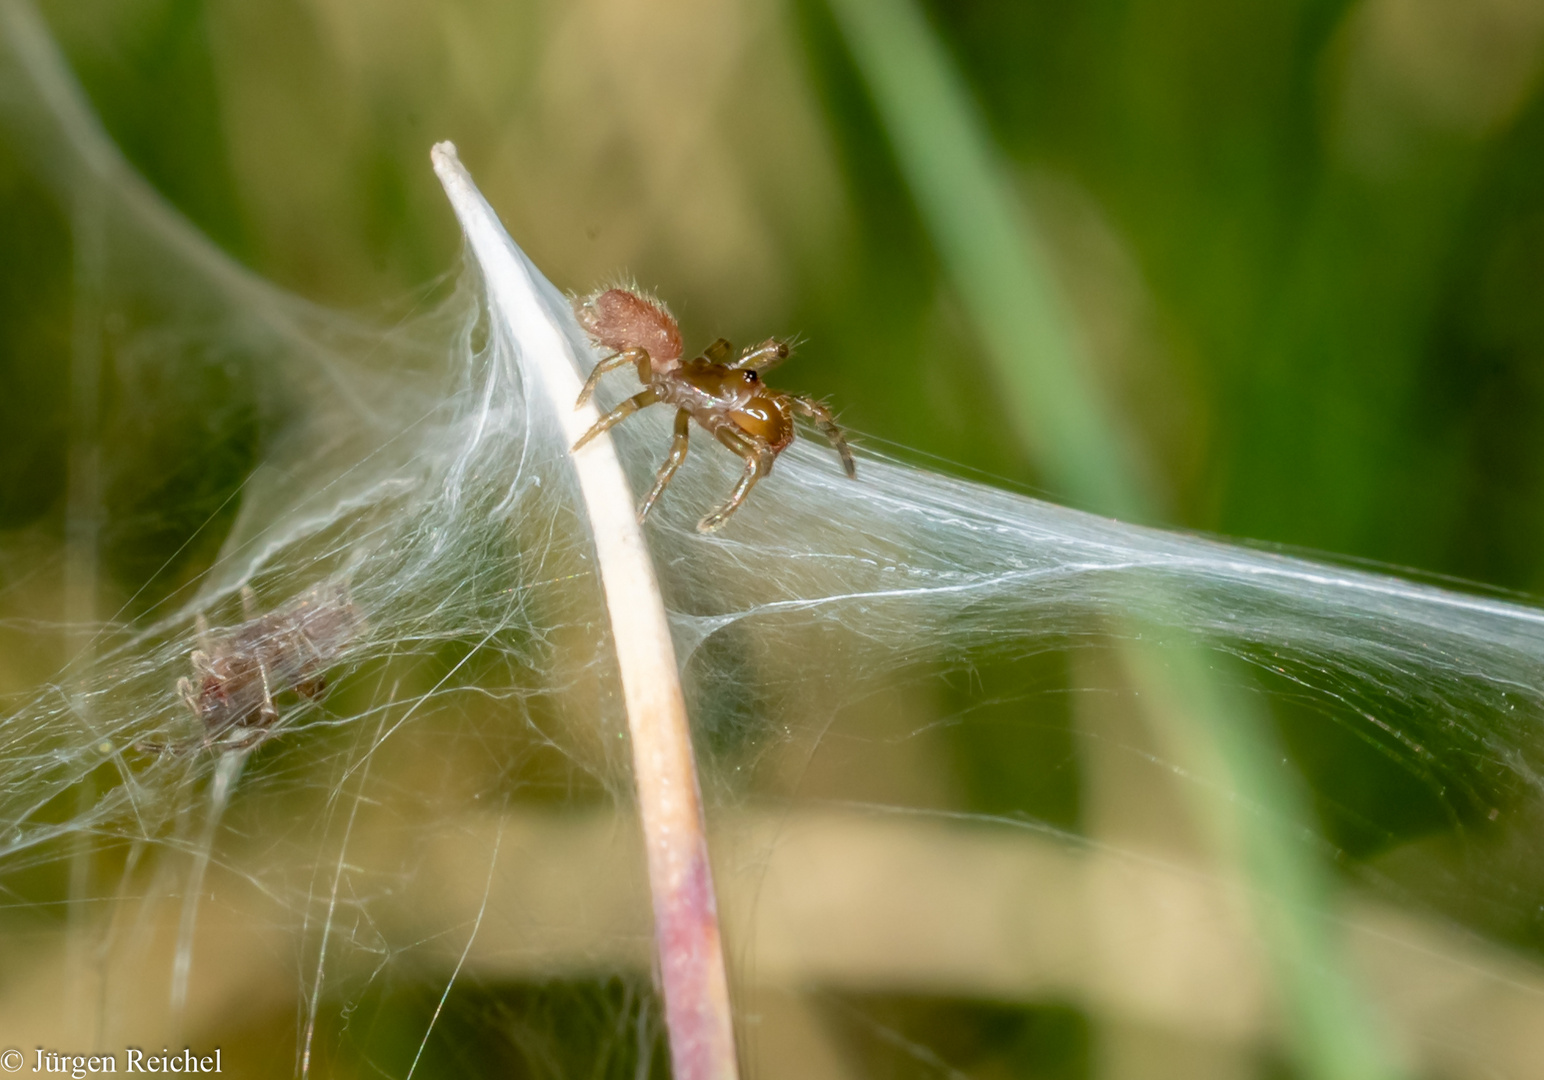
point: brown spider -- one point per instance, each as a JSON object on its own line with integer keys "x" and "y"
{"x": 726, "y": 396}
{"x": 241, "y": 670}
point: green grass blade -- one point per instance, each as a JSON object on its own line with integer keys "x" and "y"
{"x": 990, "y": 251}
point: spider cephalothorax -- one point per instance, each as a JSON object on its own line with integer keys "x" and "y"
{"x": 721, "y": 392}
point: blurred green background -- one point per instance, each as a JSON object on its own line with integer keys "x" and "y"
{"x": 1302, "y": 244}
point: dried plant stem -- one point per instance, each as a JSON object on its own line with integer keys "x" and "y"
{"x": 686, "y": 930}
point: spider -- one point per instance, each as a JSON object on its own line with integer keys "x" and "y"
{"x": 721, "y": 392}
{"x": 240, "y": 671}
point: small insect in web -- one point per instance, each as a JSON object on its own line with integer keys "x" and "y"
{"x": 240, "y": 671}
{"x": 720, "y": 391}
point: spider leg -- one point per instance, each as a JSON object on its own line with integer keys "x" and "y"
{"x": 268, "y": 712}
{"x": 758, "y": 457}
{"x": 253, "y": 737}
{"x": 617, "y": 415}
{"x": 683, "y": 420}
{"x": 311, "y": 678}
{"x": 637, "y": 356}
{"x": 201, "y": 631}
{"x": 314, "y": 687}
{"x": 827, "y": 424}
{"x": 763, "y": 357}
{"x": 189, "y": 696}
{"x": 719, "y": 352}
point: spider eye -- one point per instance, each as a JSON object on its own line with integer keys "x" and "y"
{"x": 750, "y": 376}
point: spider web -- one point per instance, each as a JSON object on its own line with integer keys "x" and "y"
{"x": 433, "y": 870}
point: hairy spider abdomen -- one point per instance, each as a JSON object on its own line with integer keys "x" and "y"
{"x": 621, "y": 320}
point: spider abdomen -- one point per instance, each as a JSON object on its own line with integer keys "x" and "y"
{"x": 619, "y": 319}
